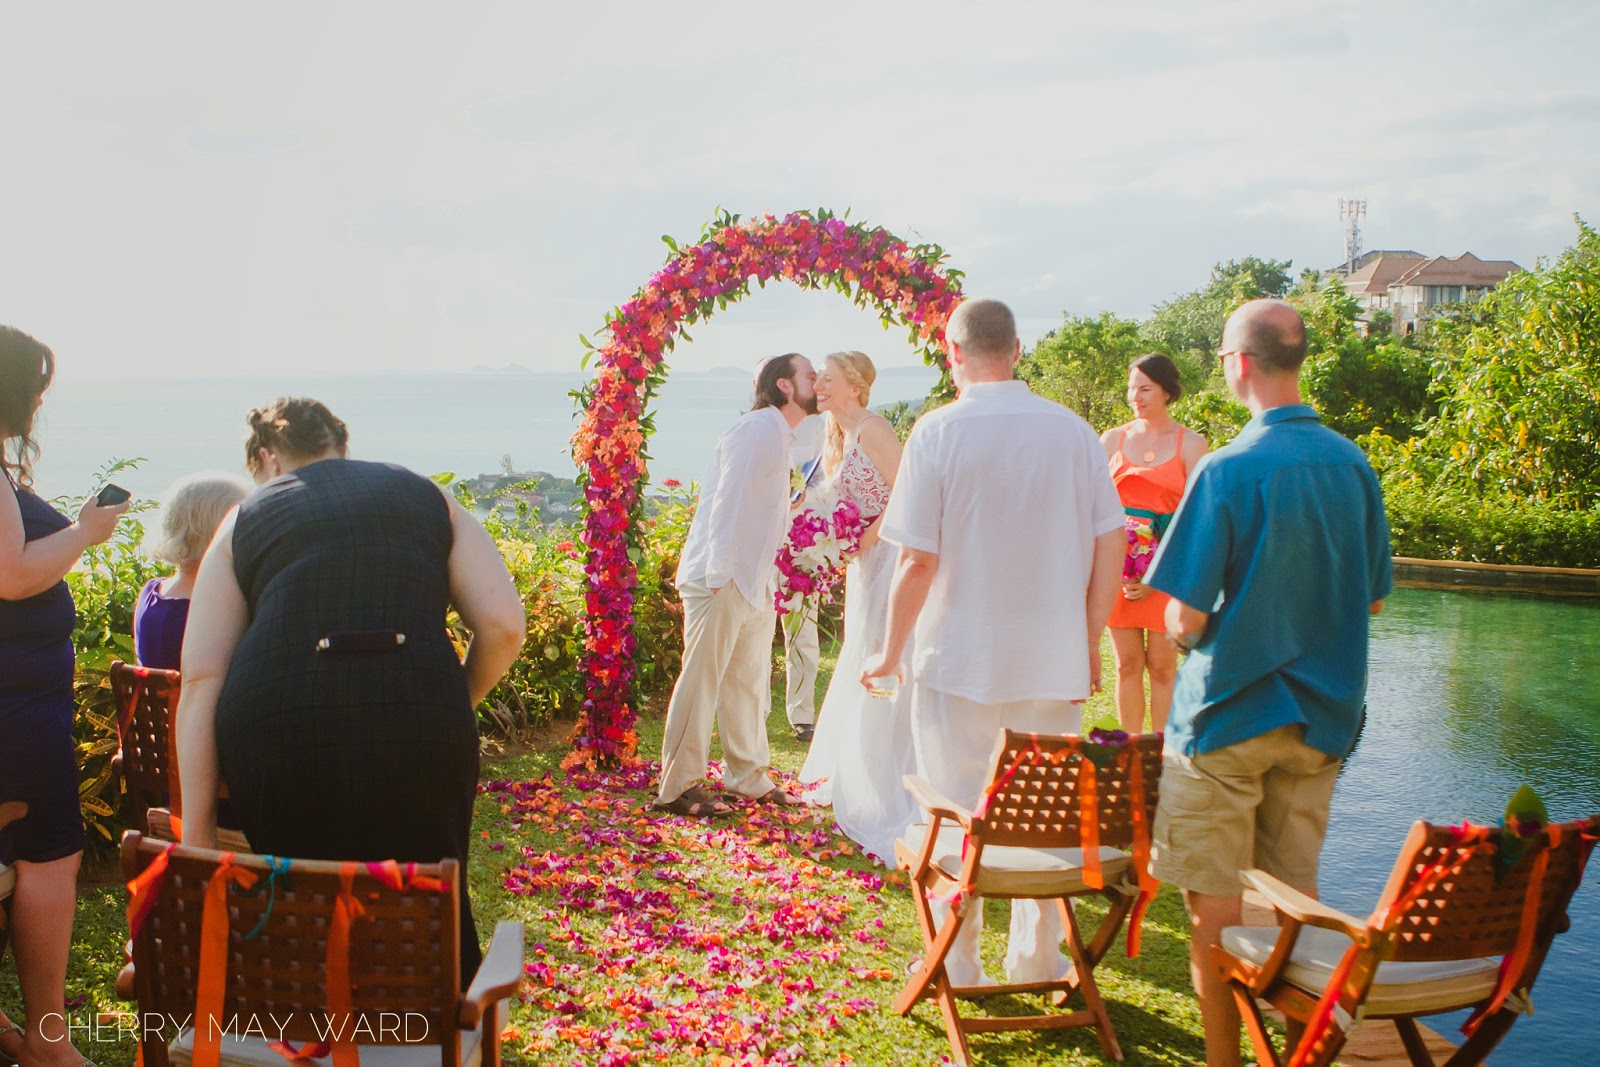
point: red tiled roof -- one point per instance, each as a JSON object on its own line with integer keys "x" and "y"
{"x": 1382, "y": 271}
{"x": 1465, "y": 269}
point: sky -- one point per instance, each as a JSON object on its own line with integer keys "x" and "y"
{"x": 306, "y": 189}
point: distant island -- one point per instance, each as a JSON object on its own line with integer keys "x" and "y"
{"x": 534, "y": 498}
{"x": 552, "y": 500}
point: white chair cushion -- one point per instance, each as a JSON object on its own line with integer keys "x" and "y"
{"x": 254, "y": 1052}
{"x": 1009, "y": 870}
{"x": 8, "y": 881}
{"x": 1398, "y": 989}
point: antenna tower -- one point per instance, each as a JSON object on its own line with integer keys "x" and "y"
{"x": 1352, "y": 212}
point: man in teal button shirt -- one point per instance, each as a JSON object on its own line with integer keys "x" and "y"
{"x": 1276, "y": 558}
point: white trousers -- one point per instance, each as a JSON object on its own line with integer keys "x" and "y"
{"x": 726, "y": 676}
{"x": 955, "y": 742}
{"x": 800, "y": 655}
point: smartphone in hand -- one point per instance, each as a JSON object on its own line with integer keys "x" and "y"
{"x": 111, "y": 495}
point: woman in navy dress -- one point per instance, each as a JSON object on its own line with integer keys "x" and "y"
{"x": 318, "y": 677}
{"x": 38, "y": 762}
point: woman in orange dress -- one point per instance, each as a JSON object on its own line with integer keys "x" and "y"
{"x": 1151, "y": 458}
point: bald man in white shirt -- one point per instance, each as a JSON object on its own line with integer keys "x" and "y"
{"x": 1011, "y": 543}
{"x": 726, "y": 580}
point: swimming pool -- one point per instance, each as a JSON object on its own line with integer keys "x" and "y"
{"x": 1470, "y": 696}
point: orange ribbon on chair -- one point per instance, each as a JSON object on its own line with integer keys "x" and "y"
{"x": 341, "y": 994}
{"x": 1464, "y": 838}
{"x": 341, "y": 1008}
{"x": 1141, "y": 848}
{"x": 1089, "y": 824}
{"x": 211, "y": 979}
{"x": 1516, "y": 961}
{"x": 144, "y": 889}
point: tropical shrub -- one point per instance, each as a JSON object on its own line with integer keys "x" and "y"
{"x": 1213, "y": 413}
{"x": 1518, "y": 385}
{"x": 1360, "y": 382}
{"x": 104, "y": 588}
{"x": 1437, "y": 523}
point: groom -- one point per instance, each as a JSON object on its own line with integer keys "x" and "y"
{"x": 1011, "y": 542}
{"x": 726, "y": 580}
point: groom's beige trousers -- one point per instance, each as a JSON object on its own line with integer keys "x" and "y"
{"x": 955, "y": 742}
{"x": 726, "y": 676}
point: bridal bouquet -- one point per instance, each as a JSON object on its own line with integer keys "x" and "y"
{"x": 1141, "y": 549}
{"x": 811, "y": 561}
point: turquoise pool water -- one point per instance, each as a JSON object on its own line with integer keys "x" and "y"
{"x": 1470, "y": 696}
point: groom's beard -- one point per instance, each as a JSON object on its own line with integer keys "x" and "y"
{"x": 808, "y": 404}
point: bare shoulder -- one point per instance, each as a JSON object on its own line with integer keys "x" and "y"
{"x": 1111, "y": 440}
{"x": 877, "y": 432}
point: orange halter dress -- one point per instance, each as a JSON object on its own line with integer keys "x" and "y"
{"x": 1146, "y": 492}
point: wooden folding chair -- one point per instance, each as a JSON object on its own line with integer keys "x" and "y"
{"x": 1459, "y": 925}
{"x": 1062, "y": 817}
{"x": 10, "y": 812}
{"x": 358, "y": 959}
{"x": 147, "y": 759}
{"x": 147, "y": 752}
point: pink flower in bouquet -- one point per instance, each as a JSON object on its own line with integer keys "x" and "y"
{"x": 1141, "y": 550}
{"x": 812, "y": 560}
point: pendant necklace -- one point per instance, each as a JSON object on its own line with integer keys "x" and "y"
{"x": 1149, "y": 457}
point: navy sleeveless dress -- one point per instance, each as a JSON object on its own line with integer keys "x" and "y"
{"x": 38, "y": 762}
{"x": 346, "y": 754}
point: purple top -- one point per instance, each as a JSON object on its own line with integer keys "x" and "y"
{"x": 158, "y": 623}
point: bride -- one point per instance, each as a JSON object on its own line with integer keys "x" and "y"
{"x": 863, "y": 743}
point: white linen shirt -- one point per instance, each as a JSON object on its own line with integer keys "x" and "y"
{"x": 1010, "y": 491}
{"x": 743, "y": 509}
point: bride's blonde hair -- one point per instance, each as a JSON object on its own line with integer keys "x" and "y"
{"x": 858, "y": 370}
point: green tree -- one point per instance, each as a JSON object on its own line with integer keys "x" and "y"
{"x": 1359, "y": 383}
{"x": 1083, "y": 364}
{"x": 1192, "y": 322}
{"x": 1518, "y": 383}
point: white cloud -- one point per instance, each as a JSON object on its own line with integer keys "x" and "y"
{"x": 355, "y": 187}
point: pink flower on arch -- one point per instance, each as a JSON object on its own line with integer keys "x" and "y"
{"x": 909, "y": 285}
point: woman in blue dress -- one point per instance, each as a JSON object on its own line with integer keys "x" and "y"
{"x": 38, "y": 762}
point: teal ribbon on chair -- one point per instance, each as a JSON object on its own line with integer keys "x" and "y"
{"x": 276, "y": 865}
{"x": 1159, "y": 520}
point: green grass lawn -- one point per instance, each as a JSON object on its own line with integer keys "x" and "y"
{"x": 761, "y": 937}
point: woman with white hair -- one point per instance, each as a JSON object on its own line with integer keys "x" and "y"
{"x": 192, "y": 509}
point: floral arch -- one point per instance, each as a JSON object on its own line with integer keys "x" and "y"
{"x": 907, "y": 284}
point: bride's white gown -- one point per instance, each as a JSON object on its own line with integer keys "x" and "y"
{"x": 862, "y": 746}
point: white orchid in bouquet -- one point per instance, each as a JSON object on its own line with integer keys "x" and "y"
{"x": 812, "y": 560}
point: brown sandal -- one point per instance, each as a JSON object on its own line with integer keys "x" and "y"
{"x": 696, "y": 802}
{"x": 778, "y": 797}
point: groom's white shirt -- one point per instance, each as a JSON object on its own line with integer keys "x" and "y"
{"x": 743, "y": 509}
{"x": 1010, "y": 491}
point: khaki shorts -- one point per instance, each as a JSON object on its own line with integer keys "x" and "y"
{"x": 1260, "y": 803}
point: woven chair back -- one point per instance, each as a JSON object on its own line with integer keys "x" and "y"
{"x": 1047, "y": 789}
{"x": 1471, "y": 903}
{"x": 404, "y": 949}
{"x": 147, "y": 703}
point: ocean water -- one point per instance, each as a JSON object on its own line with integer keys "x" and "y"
{"x": 462, "y": 423}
